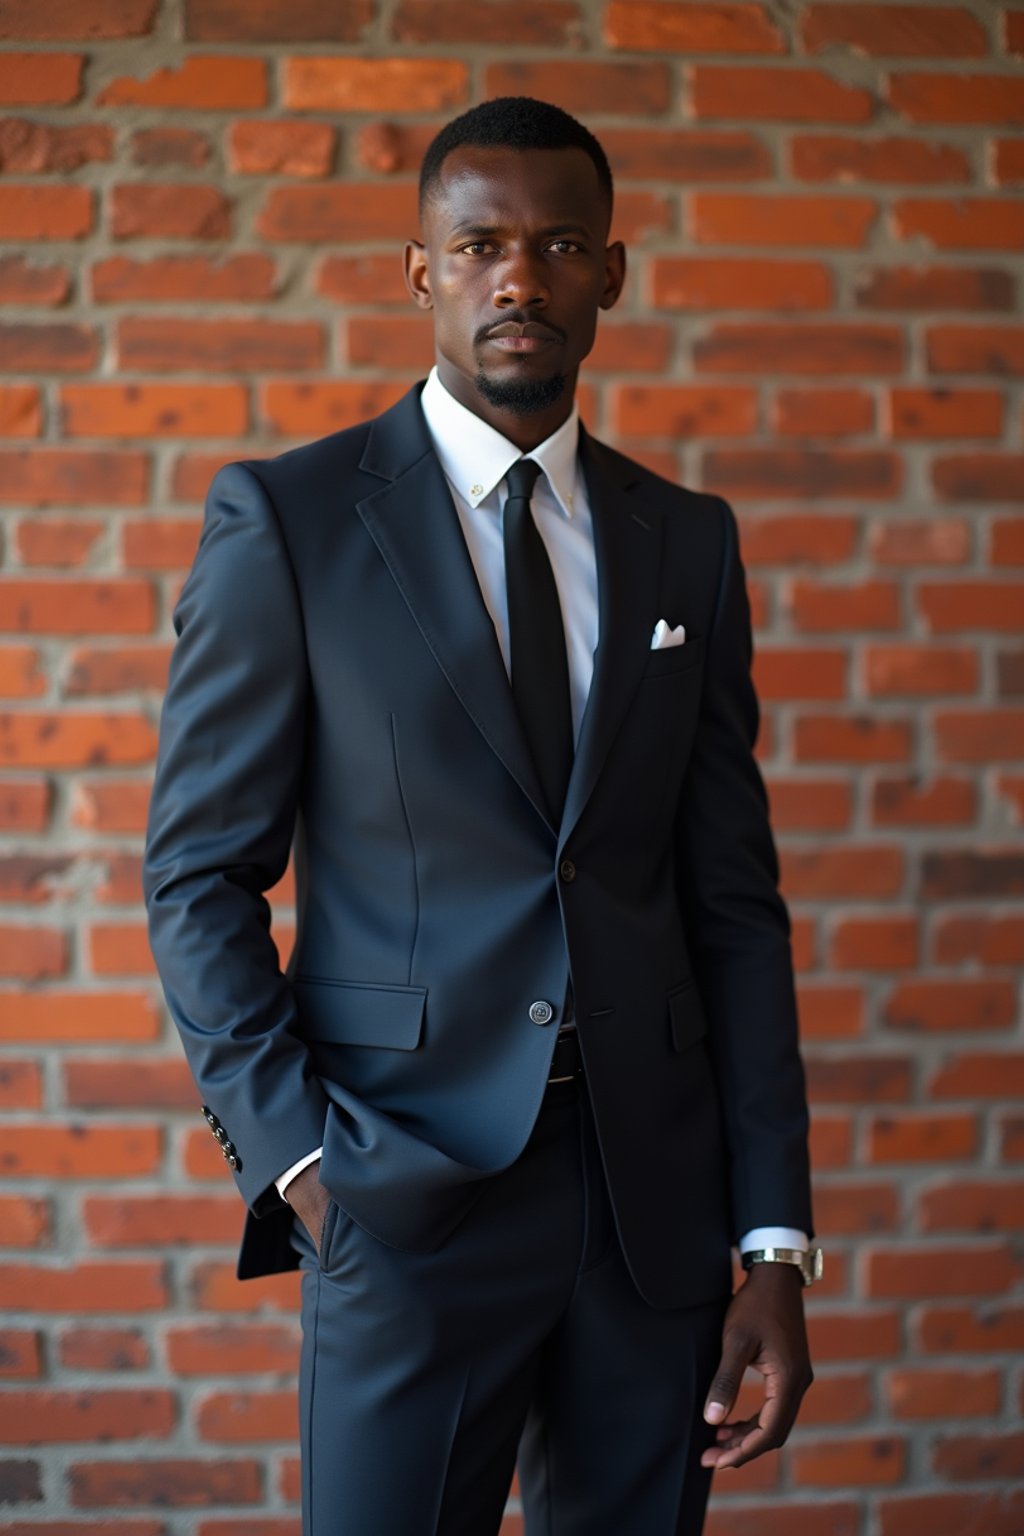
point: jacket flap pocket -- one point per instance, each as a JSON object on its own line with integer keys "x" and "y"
{"x": 687, "y": 1019}
{"x": 360, "y": 1013}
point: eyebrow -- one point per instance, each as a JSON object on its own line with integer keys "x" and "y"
{"x": 483, "y": 231}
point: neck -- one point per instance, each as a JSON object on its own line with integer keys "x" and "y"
{"x": 526, "y": 431}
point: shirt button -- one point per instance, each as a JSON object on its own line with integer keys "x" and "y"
{"x": 567, "y": 870}
{"x": 541, "y": 1012}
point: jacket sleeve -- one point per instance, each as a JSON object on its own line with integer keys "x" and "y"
{"x": 221, "y": 820}
{"x": 738, "y": 927}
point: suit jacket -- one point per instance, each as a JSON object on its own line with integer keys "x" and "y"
{"x": 337, "y": 685}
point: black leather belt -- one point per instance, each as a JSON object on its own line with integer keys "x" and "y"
{"x": 567, "y": 1061}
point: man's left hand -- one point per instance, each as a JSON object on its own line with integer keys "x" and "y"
{"x": 764, "y": 1327}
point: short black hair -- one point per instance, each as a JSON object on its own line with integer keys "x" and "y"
{"x": 513, "y": 122}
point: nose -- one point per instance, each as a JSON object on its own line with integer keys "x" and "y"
{"x": 521, "y": 283}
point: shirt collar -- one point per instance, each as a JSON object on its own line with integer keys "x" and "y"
{"x": 476, "y": 458}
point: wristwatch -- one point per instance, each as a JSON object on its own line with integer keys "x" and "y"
{"x": 810, "y": 1263}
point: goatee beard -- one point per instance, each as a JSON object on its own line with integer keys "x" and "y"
{"x": 521, "y": 397}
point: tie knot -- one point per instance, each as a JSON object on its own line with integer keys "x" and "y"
{"x": 522, "y": 477}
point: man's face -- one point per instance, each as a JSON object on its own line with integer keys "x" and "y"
{"x": 515, "y": 267}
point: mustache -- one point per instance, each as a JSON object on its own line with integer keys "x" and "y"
{"x": 527, "y": 325}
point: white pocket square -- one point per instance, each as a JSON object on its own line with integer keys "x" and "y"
{"x": 664, "y": 636}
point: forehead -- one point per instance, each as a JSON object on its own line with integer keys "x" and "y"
{"x": 502, "y": 187}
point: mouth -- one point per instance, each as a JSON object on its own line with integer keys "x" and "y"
{"x": 531, "y": 336}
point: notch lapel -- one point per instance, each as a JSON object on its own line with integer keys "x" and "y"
{"x": 627, "y": 545}
{"x": 413, "y": 521}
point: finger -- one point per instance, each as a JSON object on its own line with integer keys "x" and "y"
{"x": 736, "y": 1356}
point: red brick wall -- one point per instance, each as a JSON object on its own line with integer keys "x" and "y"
{"x": 200, "y": 206}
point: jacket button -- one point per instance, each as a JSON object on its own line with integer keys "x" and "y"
{"x": 541, "y": 1012}
{"x": 234, "y": 1163}
{"x": 221, "y": 1134}
{"x": 209, "y": 1114}
{"x": 567, "y": 870}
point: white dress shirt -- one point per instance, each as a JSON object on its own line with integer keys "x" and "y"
{"x": 475, "y": 459}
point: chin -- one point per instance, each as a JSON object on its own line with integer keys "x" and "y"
{"x": 521, "y": 396}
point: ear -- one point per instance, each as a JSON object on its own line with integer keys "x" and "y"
{"x": 417, "y": 276}
{"x": 614, "y": 274}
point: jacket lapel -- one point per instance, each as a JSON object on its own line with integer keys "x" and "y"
{"x": 627, "y": 542}
{"x": 413, "y": 521}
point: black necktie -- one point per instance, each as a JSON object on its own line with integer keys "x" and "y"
{"x": 540, "y": 670}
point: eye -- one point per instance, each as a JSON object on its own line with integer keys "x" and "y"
{"x": 476, "y": 248}
{"x": 565, "y": 247}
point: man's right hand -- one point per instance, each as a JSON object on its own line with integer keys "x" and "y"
{"x": 309, "y": 1200}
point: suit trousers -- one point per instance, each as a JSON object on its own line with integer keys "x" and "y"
{"x": 425, "y": 1375}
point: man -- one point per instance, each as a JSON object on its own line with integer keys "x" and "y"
{"x": 532, "y": 1067}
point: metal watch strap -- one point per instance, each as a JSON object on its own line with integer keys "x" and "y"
{"x": 808, "y": 1262}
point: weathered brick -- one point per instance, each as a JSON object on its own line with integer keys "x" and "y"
{"x": 935, "y": 288}
{"x": 182, "y": 148}
{"x": 57, "y": 541}
{"x": 895, "y": 31}
{"x": 78, "y": 1016}
{"x": 230, "y": 1349}
{"x": 27, "y": 281}
{"x": 780, "y": 219}
{"x": 807, "y": 472}
{"x": 837, "y": 157}
{"x": 168, "y": 211}
{"x": 21, "y": 1359}
{"x": 114, "y": 1287}
{"x": 110, "y": 805}
{"x": 337, "y": 84}
{"x": 43, "y": 1417}
{"x": 974, "y": 1206}
{"x": 56, "y": 20}
{"x": 916, "y": 1136}
{"x": 966, "y": 224}
{"x": 913, "y": 541}
{"x": 199, "y": 279}
{"x": 687, "y": 155}
{"x": 79, "y": 1151}
{"x": 40, "y": 79}
{"x": 276, "y": 21}
{"x": 31, "y": 953}
{"x": 957, "y": 98}
{"x": 779, "y": 93}
{"x": 905, "y": 802}
{"x": 894, "y": 671}
{"x": 534, "y": 23}
{"x": 120, "y": 670}
{"x": 975, "y": 349}
{"x": 710, "y": 283}
{"x": 969, "y": 1458}
{"x": 223, "y": 346}
{"x": 871, "y": 1462}
{"x": 634, "y": 90}
{"x": 202, "y": 82}
{"x": 25, "y": 1222}
{"x": 280, "y": 149}
{"x": 103, "y": 1349}
{"x": 172, "y": 1484}
{"x": 76, "y": 477}
{"x": 32, "y": 148}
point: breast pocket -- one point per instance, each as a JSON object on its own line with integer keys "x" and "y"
{"x": 675, "y": 658}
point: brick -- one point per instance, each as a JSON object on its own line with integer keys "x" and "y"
{"x": 153, "y": 410}
{"x": 853, "y": 1336}
{"x": 986, "y": 1328}
{"x": 820, "y": 607}
{"x": 950, "y": 1003}
{"x": 534, "y": 23}
{"x": 895, "y": 671}
{"x": 21, "y": 1483}
{"x": 950, "y": 607}
{"x": 335, "y": 84}
{"x": 240, "y": 1417}
{"x": 921, "y": 1136}
{"x": 823, "y": 412}
{"x": 842, "y": 872}
{"x": 342, "y": 213}
{"x": 1011, "y": 787}
{"x": 215, "y": 1288}
{"x": 686, "y": 155}
{"x": 630, "y": 90}
{"x": 889, "y": 161}
{"x": 851, "y": 1210}
{"x": 79, "y": 1151}
{"x": 21, "y": 1084}
{"x": 911, "y": 802}
{"x": 955, "y": 874}
{"x": 21, "y": 410}
{"x": 859, "y": 1462}
{"x": 45, "y": 1417}
{"x": 975, "y": 349}
{"x": 916, "y": 1393}
{"x": 45, "y": 213}
{"x": 780, "y": 93}
{"x": 32, "y": 149}
{"x": 939, "y": 413}
{"x": 21, "y": 674}
{"x": 119, "y": 949}
{"x": 57, "y": 541}
{"x": 224, "y": 346}
{"x": 1013, "y": 31}
{"x": 168, "y": 211}
{"x": 991, "y": 941}
{"x": 114, "y": 805}
{"x": 75, "y": 477}
{"x": 967, "y": 1458}
{"x": 809, "y": 805}
{"x": 991, "y": 1206}
{"x": 800, "y": 674}
{"x": 794, "y": 538}
{"x": 43, "y": 605}
{"x": 935, "y": 288}
{"x": 40, "y": 79}
{"x": 54, "y": 347}
{"x": 276, "y": 21}
{"x": 389, "y": 341}
{"x": 160, "y": 1221}
{"x": 55, "y": 20}
{"x": 280, "y": 149}
{"x": 711, "y": 283}
{"x": 922, "y": 1272}
{"x": 233, "y": 1350}
{"x": 768, "y": 472}
{"x": 103, "y": 1349}
{"x": 874, "y": 943}
{"x": 895, "y": 31}
{"x": 918, "y": 541}
{"x": 979, "y": 477}
{"x": 32, "y": 953}
{"x": 25, "y": 1222}
{"x": 1011, "y": 1145}
{"x": 123, "y": 878}
{"x": 323, "y": 407}
{"x": 831, "y": 1140}
{"x": 202, "y": 1160}
{"x": 180, "y": 148}
{"x": 201, "y": 83}
{"x": 123, "y": 1287}
{"x": 170, "y": 1484}
{"x": 640, "y": 25}
{"x": 639, "y": 216}
{"x": 125, "y": 669}
{"x": 779, "y": 219}
{"x": 979, "y": 736}
{"x": 774, "y": 347}
{"x": 966, "y": 224}
{"x": 20, "y": 1357}
{"x": 1007, "y": 541}
{"x": 104, "y": 1083}
{"x": 830, "y": 1012}
{"x": 168, "y": 279}
{"x": 666, "y": 410}
{"x": 388, "y": 148}
{"x": 368, "y": 279}
{"x": 37, "y": 1017}
{"x": 89, "y": 1528}
{"x": 951, "y": 1514}
{"x": 851, "y": 739}
{"x": 27, "y": 282}
{"x": 1007, "y": 162}
{"x": 945, "y": 98}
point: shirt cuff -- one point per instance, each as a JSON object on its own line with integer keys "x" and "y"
{"x": 295, "y": 1169}
{"x": 773, "y": 1237}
